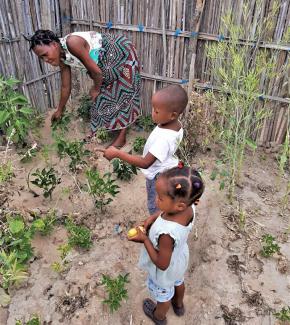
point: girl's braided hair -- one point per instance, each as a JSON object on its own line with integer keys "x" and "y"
{"x": 184, "y": 182}
{"x": 42, "y": 37}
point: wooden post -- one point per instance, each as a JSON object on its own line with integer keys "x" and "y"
{"x": 65, "y": 16}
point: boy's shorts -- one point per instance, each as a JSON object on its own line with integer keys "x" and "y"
{"x": 151, "y": 195}
{"x": 161, "y": 294}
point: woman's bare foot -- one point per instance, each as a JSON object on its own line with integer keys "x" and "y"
{"x": 120, "y": 139}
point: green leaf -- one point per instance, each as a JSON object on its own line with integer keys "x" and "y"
{"x": 15, "y": 225}
{"x": 39, "y": 224}
{"x": 252, "y": 144}
{"x": 26, "y": 110}
{"x": 19, "y": 100}
{"x": 4, "y": 298}
{"x": 4, "y": 115}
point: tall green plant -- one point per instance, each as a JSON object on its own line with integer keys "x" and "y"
{"x": 239, "y": 71}
{"x": 15, "y": 111}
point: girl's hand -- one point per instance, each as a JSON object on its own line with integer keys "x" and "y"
{"x": 56, "y": 115}
{"x": 139, "y": 238}
{"x": 94, "y": 93}
{"x": 111, "y": 153}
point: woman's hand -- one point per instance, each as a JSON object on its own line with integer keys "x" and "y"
{"x": 139, "y": 238}
{"x": 94, "y": 93}
{"x": 56, "y": 115}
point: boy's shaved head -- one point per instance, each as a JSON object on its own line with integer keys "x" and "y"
{"x": 173, "y": 97}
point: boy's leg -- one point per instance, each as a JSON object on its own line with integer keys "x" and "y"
{"x": 151, "y": 195}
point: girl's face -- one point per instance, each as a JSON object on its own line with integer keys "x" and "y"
{"x": 49, "y": 53}
{"x": 164, "y": 202}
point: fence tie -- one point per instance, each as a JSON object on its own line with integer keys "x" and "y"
{"x": 109, "y": 24}
{"x": 184, "y": 81}
{"x": 193, "y": 34}
{"x": 66, "y": 19}
{"x": 261, "y": 98}
{"x": 141, "y": 27}
{"x": 221, "y": 38}
{"x": 177, "y": 32}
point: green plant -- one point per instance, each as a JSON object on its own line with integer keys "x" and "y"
{"x": 101, "y": 187}
{"x": 64, "y": 250}
{"x": 46, "y": 179}
{"x": 103, "y": 135}
{"x": 139, "y": 144}
{"x": 116, "y": 290}
{"x": 6, "y": 172}
{"x": 79, "y": 236}
{"x": 74, "y": 150}
{"x": 146, "y": 123}
{"x": 11, "y": 269}
{"x": 16, "y": 236}
{"x": 123, "y": 170}
{"x": 283, "y": 314}
{"x": 57, "y": 267}
{"x": 45, "y": 225}
{"x": 238, "y": 72}
{"x": 84, "y": 108}
{"x": 270, "y": 246}
{"x": 34, "y": 320}
{"x": 15, "y": 112}
{"x": 61, "y": 126}
{"x": 219, "y": 172}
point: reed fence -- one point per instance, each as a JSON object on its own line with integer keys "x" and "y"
{"x": 170, "y": 37}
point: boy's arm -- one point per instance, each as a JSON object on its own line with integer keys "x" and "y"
{"x": 138, "y": 161}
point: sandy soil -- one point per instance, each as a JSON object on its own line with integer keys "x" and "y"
{"x": 228, "y": 281}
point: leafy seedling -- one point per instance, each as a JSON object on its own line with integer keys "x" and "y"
{"x": 6, "y": 172}
{"x": 15, "y": 112}
{"x": 138, "y": 144}
{"x": 61, "y": 126}
{"x": 146, "y": 123}
{"x": 47, "y": 180}
{"x": 102, "y": 135}
{"x": 74, "y": 150}
{"x": 116, "y": 290}
{"x": 283, "y": 315}
{"x": 85, "y": 107}
{"x": 34, "y": 320}
{"x": 79, "y": 236}
{"x": 123, "y": 170}
{"x": 102, "y": 189}
{"x": 270, "y": 247}
{"x": 45, "y": 225}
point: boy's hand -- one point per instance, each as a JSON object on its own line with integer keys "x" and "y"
{"x": 139, "y": 238}
{"x": 111, "y": 153}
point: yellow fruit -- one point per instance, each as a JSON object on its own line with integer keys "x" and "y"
{"x": 132, "y": 232}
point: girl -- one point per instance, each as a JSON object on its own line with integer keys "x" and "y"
{"x": 165, "y": 253}
{"x": 111, "y": 62}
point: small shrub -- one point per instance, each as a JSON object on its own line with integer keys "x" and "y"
{"x": 6, "y": 172}
{"x": 16, "y": 237}
{"x": 79, "y": 236}
{"x": 138, "y": 144}
{"x": 146, "y": 123}
{"x": 45, "y": 225}
{"x": 116, "y": 290}
{"x": 101, "y": 188}
{"x": 46, "y": 179}
{"x": 85, "y": 107}
{"x": 15, "y": 112}
{"x": 74, "y": 150}
{"x": 61, "y": 126}
{"x": 103, "y": 135}
{"x": 270, "y": 247}
{"x": 123, "y": 170}
{"x": 283, "y": 314}
{"x": 11, "y": 270}
{"x": 34, "y": 320}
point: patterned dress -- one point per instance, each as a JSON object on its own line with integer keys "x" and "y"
{"x": 118, "y": 104}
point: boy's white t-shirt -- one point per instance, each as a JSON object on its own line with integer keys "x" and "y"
{"x": 162, "y": 144}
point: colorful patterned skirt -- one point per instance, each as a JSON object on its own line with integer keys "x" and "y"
{"x": 118, "y": 104}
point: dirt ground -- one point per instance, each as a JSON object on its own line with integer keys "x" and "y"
{"x": 228, "y": 281}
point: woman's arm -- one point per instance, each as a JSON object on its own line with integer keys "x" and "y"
{"x": 79, "y": 47}
{"x": 65, "y": 73}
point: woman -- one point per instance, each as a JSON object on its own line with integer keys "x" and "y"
{"x": 111, "y": 62}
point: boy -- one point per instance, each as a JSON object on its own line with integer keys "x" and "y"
{"x": 158, "y": 154}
